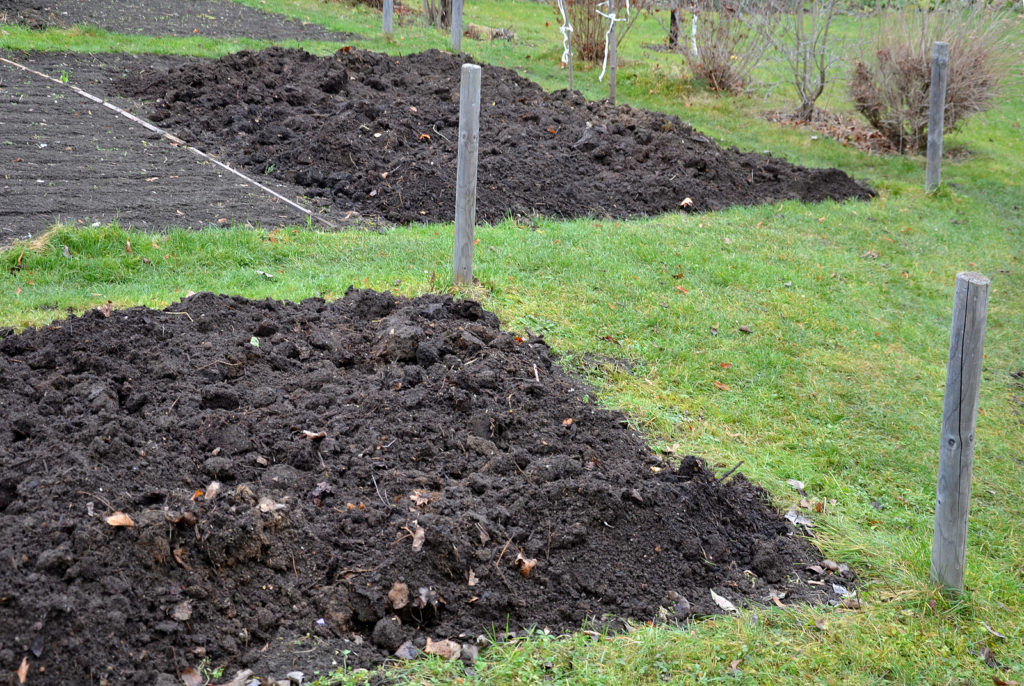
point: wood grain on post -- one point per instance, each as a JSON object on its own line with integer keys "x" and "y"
{"x": 959, "y": 419}
{"x": 936, "y": 115}
{"x": 389, "y": 17}
{"x": 456, "y": 39}
{"x": 613, "y": 49}
{"x": 465, "y": 181}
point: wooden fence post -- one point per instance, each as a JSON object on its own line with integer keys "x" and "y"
{"x": 389, "y": 17}
{"x": 456, "y": 39}
{"x": 613, "y": 60}
{"x": 936, "y": 115}
{"x": 465, "y": 181}
{"x": 959, "y": 419}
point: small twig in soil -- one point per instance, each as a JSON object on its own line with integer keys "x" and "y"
{"x": 348, "y": 573}
{"x": 377, "y": 488}
{"x": 295, "y": 569}
{"x": 182, "y": 313}
{"x": 99, "y": 498}
{"x": 502, "y": 554}
{"x": 729, "y": 473}
{"x": 441, "y": 134}
{"x": 536, "y": 375}
{"x": 230, "y": 364}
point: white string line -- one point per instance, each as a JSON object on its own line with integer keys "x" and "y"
{"x": 610, "y": 16}
{"x": 171, "y": 137}
{"x": 566, "y": 30}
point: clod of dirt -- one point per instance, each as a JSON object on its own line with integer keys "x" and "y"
{"x": 377, "y": 134}
{"x": 447, "y": 496}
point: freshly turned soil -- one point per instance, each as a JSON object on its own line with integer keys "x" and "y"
{"x": 64, "y": 158}
{"x": 318, "y": 483}
{"x": 219, "y": 18}
{"x": 378, "y": 134}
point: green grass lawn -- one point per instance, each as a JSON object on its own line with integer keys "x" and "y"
{"x": 839, "y": 384}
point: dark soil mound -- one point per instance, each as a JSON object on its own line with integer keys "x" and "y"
{"x": 307, "y": 479}
{"x": 378, "y": 134}
{"x": 161, "y": 18}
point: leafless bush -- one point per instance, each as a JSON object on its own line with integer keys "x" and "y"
{"x": 890, "y": 87}
{"x": 438, "y": 13}
{"x": 727, "y": 45}
{"x": 589, "y": 27}
{"x": 801, "y": 34}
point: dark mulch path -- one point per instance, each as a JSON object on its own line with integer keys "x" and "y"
{"x": 375, "y": 471}
{"x": 378, "y": 134}
{"x": 220, "y": 18}
{"x": 66, "y": 158}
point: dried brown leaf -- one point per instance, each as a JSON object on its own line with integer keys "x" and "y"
{"x": 720, "y": 385}
{"x": 212, "y": 490}
{"x": 399, "y": 595}
{"x": 723, "y": 602}
{"x": 182, "y": 611}
{"x": 418, "y": 538}
{"x": 191, "y": 677}
{"x": 179, "y": 557}
{"x": 446, "y": 648}
{"x": 23, "y": 671}
{"x": 526, "y": 564}
{"x": 120, "y": 519}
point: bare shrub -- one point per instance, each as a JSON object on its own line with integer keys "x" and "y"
{"x": 809, "y": 48}
{"x": 589, "y": 27}
{"x": 438, "y": 13}
{"x": 727, "y": 44}
{"x": 890, "y": 87}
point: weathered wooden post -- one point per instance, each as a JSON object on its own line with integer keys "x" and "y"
{"x": 456, "y": 39}
{"x": 465, "y": 180}
{"x": 613, "y": 61}
{"x": 959, "y": 419}
{"x": 389, "y": 17}
{"x": 936, "y": 115}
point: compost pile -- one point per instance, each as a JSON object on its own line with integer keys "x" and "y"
{"x": 277, "y": 486}
{"x": 377, "y": 134}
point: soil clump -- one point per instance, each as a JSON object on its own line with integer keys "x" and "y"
{"x": 377, "y": 134}
{"x": 280, "y": 486}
